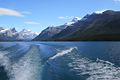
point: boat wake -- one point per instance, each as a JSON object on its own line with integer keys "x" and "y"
{"x": 45, "y": 62}
{"x": 94, "y": 70}
{"x": 82, "y": 67}
{"x": 27, "y": 67}
{"x": 63, "y": 52}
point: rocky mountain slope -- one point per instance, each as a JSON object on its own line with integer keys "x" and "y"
{"x": 93, "y": 27}
{"x": 51, "y": 31}
{"x": 105, "y": 26}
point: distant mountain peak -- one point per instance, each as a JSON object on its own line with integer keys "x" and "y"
{"x": 109, "y": 11}
{"x": 74, "y": 20}
{"x": 49, "y": 27}
{"x": 13, "y": 34}
{"x": 13, "y": 30}
{"x": 26, "y": 30}
{"x": 1, "y": 28}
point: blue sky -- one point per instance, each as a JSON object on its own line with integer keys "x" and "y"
{"x": 39, "y": 14}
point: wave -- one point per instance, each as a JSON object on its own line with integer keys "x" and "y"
{"x": 7, "y": 53}
{"x": 4, "y": 65}
{"x": 29, "y": 67}
{"x": 4, "y": 60}
{"x": 97, "y": 70}
{"x": 63, "y": 52}
{"x": 84, "y": 67}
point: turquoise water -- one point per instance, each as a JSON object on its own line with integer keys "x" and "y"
{"x": 59, "y": 60}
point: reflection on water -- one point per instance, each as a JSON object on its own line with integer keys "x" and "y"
{"x": 59, "y": 61}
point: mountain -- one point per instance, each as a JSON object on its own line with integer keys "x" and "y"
{"x": 95, "y": 26}
{"x": 104, "y": 26}
{"x": 26, "y": 35}
{"x": 7, "y": 34}
{"x": 74, "y": 20}
{"x": 51, "y": 31}
{"x": 48, "y": 33}
{"x": 13, "y": 34}
{"x": 70, "y": 29}
{"x": 1, "y": 28}
{"x": 13, "y": 30}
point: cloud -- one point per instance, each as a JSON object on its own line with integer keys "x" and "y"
{"x": 31, "y": 23}
{"x": 10, "y": 12}
{"x": 101, "y": 11}
{"x": 117, "y": 0}
{"x": 66, "y": 17}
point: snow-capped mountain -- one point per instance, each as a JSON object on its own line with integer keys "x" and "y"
{"x": 13, "y": 34}
{"x": 6, "y": 34}
{"x": 93, "y": 27}
{"x": 27, "y": 34}
{"x": 74, "y": 20}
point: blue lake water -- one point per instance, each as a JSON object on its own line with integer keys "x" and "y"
{"x": 59, "y": 60}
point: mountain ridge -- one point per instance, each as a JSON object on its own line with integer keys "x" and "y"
{"x": 95, "y": 26}
{"x": 13, "y": 35}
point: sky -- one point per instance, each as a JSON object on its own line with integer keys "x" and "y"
{"x": 37, "y": 15}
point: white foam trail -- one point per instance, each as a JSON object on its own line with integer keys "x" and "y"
{"x": 98, "y": 70}
{"x": 63, "y": 52}
{"x": 4, "y": 60}
{"x": 28, "y": 68}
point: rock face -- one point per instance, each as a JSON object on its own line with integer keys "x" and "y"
{"x": 13, "y": 34}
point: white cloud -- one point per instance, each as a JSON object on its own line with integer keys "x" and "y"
{"x": 31, "y": 22}
{"x": 10, "y": 12}
{"x": 101, "y": 11}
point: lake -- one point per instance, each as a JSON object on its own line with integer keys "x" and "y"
{"x": 59, "y": 60}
